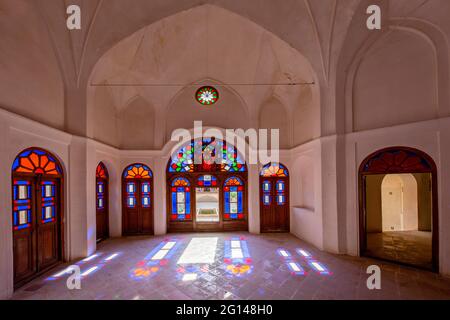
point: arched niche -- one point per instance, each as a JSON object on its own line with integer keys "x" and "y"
{"x": 274, "y": 115}
{"x": 136, "y": 125}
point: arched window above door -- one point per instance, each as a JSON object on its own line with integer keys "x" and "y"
{"x": 274, "y": 169}
{"x": 137, "y": 171}
{"x": 36, "y": 161}
{"x": 207, "y": 155}
{"x": 397, "y": 160}
{"x": 101, "y": 171}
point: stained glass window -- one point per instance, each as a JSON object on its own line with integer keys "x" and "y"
{"x": 101, "y": 171}
{"x": 36, "y": 161}
{"x": 207, "y": 181}
{"x": 233, "y": 195}
{"x": 211, "y": 155}
{"x": 274, "y": 170}
{"x": 100, "y": 194}
{"x": 267, "y": 188}
{"x": 207, "y": 95}
{"x": 145, "y": 194}
{"x": 21, "y": 204}
{"x": 280, "y": 189}
{"x": 181, "y": 200}
{"x": 48, "y": 209}
{"x": 137, "y": 171}
{"x": 131, "y": 194}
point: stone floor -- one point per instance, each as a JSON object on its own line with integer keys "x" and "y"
{"x": 410, "y": 247}
{"x": 230, "y": 266}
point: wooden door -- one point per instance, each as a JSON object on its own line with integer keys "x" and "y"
{"x": 47, "y": 199}
{"x": 274, "y": 205}
{"x": 102, "y": 215}
{"x": 36, "y": 226}
{"x": 24, "y": 229}
{"x": 137, "y": 206}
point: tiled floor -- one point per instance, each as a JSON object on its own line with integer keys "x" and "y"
{"x": 146, "y": 268}
{"x": 410, "y": 247}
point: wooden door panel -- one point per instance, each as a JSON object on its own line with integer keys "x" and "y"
{"x": 36, "y": 226}
{"x": 137, "y": 214}
{"x": 274, "y": 207}
{"x": 147, "y": 221}
{"x": 132, "y": 222}
{"x": 102, "y": 209}
{"x": 47, "y": 223}
{"x": 47, "y": 246}
{"x": 24, "y": 260}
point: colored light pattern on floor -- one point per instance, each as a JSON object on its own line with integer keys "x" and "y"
{"x": 237, "y": 257}
{"x": 303, "y": 253}
{"x": 315, "y": 265}
{"x": 319, "y": 267}
{"x": 294, "y": 267}
{"x": 90, "y": 258}
{"x": 155, "y": 260}
{"x": 191, "y": 272}
{"x": 69, "y": 270}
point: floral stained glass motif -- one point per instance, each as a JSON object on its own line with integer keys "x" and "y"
{"x": 233, "y": 196}
{"x": 36, "y": 161}
{"x": 207, "y": 95}
{"x": 274, "y": 170}
{"x": 137, "y": 171}
{"x": 181, "y": 200}
{"x": 207, "y": 155}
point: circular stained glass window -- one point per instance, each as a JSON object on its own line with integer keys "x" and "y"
{"x": 207, "y": 95}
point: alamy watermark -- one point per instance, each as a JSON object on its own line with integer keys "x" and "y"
{"x": 251, "y": 144}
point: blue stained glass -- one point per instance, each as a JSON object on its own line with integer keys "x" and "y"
{"x": 188, "y": 202}
{"x": 229, "y": 159}
{"x": 266, "y": 199}
{"x": 174, "y": 203}
{"x": 240, "y": 202}
{"x": 280, "y": 186}
{"x": 15, "y": 164}
{"x": 227, "y": 202}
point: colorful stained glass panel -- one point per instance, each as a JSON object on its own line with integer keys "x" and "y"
{"x": 36, "y": 161}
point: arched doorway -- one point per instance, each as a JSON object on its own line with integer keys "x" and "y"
{"x": 102, "y": 202}
{"x": 37, "y": 195}
{"x": 206, "y": 188}
{"x": 398, "y": 207}
{"x": 274, "y": 195}
{"x": 137, "y": 200}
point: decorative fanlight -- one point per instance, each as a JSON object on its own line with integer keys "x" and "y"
{"x": 207, "y": 95}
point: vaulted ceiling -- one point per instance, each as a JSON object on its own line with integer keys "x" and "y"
{"x": 42, "y": 63}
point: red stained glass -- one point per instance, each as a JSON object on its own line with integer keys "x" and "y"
{"x": 397, "y": 160}
{"x": 207, "y": 95}
{"x": 274, "y": 170}
{"x": 137, "y": 171}
{"x": 36, "y": 161}
{"x": 101, "y": 171}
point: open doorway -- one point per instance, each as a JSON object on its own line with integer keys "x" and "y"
{"x": 207, "y": 205}
{"x": 398, "y": 208}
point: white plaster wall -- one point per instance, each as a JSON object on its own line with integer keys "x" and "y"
{"x": 306, "y": 213}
